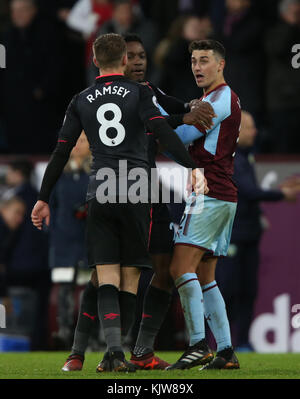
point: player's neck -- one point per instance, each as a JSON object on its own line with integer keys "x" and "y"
{"x": 214, "y": 84}
{"x": 111, "y": 71}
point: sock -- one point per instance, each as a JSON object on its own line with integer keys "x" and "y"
{"x": 216, "y": 316}
{"x": 87, "y": 317}
{"x": 191, "y": 300}
{"x": 156, "y": 305}
{"x": 109, "y": 316}
{"x": 127, "y": 302}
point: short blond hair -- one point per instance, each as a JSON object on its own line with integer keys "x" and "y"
{"x": 109, "y": 50}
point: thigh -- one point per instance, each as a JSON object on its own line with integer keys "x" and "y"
{"x": 102, "y": 235}
{"x": 162, "y": 232}
{"x": 134, "y": 230}
{"x": 207, "y": 224}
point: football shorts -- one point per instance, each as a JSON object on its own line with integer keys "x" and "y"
{"x": 207, "y": 224}
{"x": 118, "y": 234}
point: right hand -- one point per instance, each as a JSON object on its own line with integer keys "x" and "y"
{"x": 40, "y": 212}
{"x": 199, "y": 182}
{"x": 201, "y": 113}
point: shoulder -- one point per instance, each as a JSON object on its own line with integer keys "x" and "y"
{"x": 220, "y": 94}
{"x": 84, "y": 92}
{"x": 220, "y": 100}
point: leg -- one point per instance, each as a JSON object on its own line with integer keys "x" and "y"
{"x": 183, "y": 267}
{"x": 87, "y": 316}
{"x": 157, "y": 296}
{"x": 109, "y": 278}
{"x": 216, "y": 316}
{"x": 162, "y": 279}
{"x": 228, "y": 277}
{"x": 108, "y": 305}
{"x": 156, "y": 304}
{"x": 214, "y": 305}
{"x": 183, "y": 270}
{"x": 130, "y": 277}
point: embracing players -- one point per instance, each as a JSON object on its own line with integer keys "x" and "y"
{"x": 113, "y": 113}
{"x": 158, "y": 294}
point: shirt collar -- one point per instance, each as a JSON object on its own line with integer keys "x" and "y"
{"x": 110, "y": 77}
{"x": 216, "y": 88}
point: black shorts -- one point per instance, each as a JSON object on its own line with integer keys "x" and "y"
{"x": 118, "y": 234}
{"x": 162, "y": 232}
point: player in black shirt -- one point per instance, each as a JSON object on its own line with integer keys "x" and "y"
{"x": 113, "y": 113}
{"x": 161, "y": 240}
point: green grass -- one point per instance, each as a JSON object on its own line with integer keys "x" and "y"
{"x": 47, "y": 365}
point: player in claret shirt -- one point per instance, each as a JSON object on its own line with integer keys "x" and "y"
{"x": 113, "y": 113}
{"x": 205, "y": 228}
{"x": 159, "y": 293}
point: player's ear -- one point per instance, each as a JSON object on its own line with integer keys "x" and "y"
{"x": 124, "y": 60}
{"x": 221, "y": 65}
{"x": 96, "y": 62}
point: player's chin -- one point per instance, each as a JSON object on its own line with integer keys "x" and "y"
{"x": 138, "y": 76}
{"x": 201, "y": 83}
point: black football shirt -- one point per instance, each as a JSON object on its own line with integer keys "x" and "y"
{"x": 113, "y": 113}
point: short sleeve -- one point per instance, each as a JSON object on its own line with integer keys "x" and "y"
{"x": 221, "y": 106}
{"x": 188, "y": 133}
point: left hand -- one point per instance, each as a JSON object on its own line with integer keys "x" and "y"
{"x": 40, "y": 212}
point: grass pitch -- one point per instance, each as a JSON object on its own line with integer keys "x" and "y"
{"x": 47, "y": 365}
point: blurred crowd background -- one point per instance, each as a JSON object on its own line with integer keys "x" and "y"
{"x": 49, "y": 59}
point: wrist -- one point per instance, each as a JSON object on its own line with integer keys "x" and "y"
{"x": 42, "y": 198}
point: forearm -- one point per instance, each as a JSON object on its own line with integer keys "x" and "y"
{"x": 175, "y": 120}
{"x": 53, "y": 171}
{"x": 171, "y": 142}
